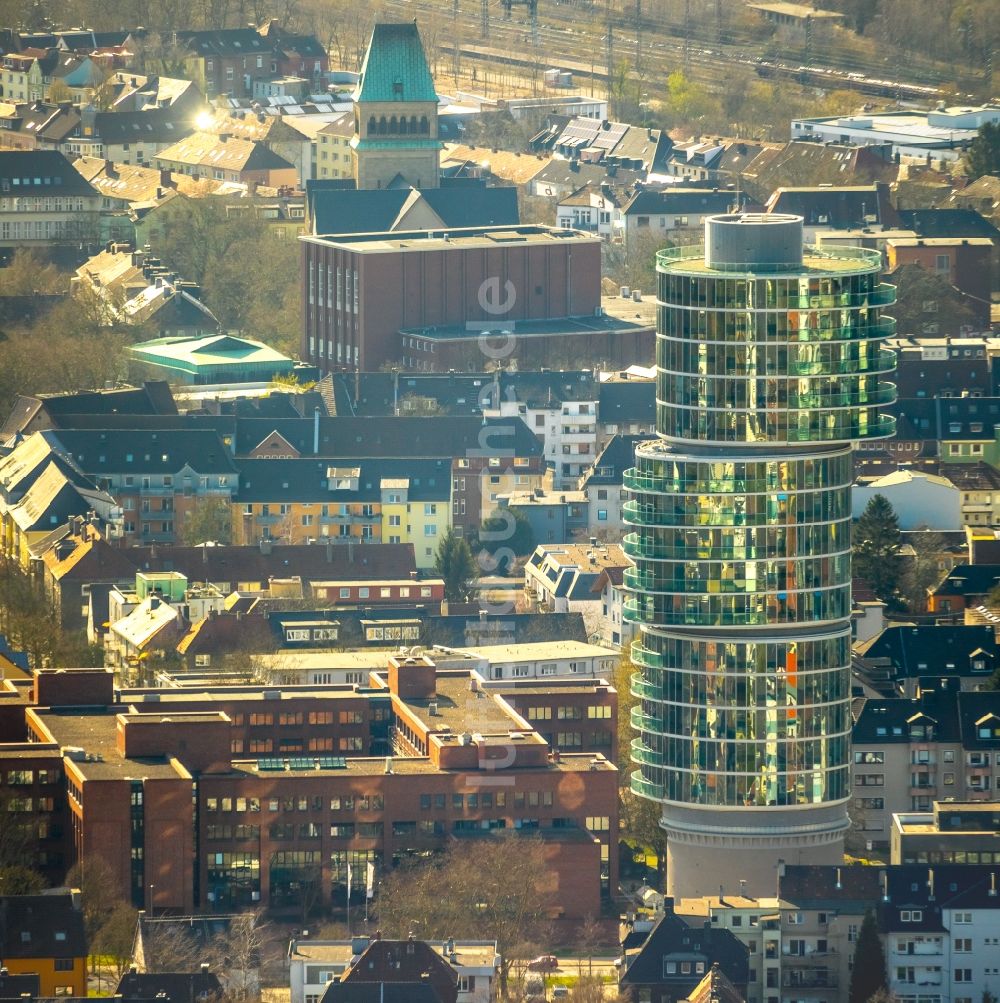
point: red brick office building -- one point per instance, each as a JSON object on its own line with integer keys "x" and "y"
{"x": 363, "y": 291}
{"x": 231, "y": 797}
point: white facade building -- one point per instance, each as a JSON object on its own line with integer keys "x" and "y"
{"x": 921, "y": 501}
{"x": 941, "y": 134}
{"x": 314, "y": 964}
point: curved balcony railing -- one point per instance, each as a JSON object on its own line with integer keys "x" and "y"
{"x": 884, "y": 362}
{"x": 639, "y": 687}
{"x": 865, "y": 258}
{"x": 652, "y": 584}
{"x": 641, "y": 754}
{"x": 868, "y": 331}
{"x": 759, "y": 614}
{"x": 644, "y": 788}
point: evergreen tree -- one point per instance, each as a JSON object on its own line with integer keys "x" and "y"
{"x": 877, "y": 543}
{"x": 984, "y": 151}
{"x": 868, "y": 970}
{"x": 503, "y": 536}
{"x": 455, "y": 564}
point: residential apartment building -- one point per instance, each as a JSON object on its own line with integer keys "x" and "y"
{"x": 594, "y": 208}
{"x": 900, "y": 657}
{"x": 653, "y": 214}
{"x": 615, "y": 628}
{"x": 158, "y": 477}
{"x": 909, "y": 753}
{"x": 568, "y": 429}
{"x": 228, "y": 61}
{"x": 942, "y": 931}
{"x": 313, "y": 964}
{"x": 562, "y": 576}
{"x": 332, "y": 156}
{"x": 390, "y": 500}
{"x": 41, "y": 488}
{"x": 224, "y": 157}
{"x": 538, "y": 660}
{"x": 755, "y": 922}
{"x": 626, "y": 405}
{"x": 43, "y": 200}
{"x": 487, "y": 457}
{"x": 24, "y": 75}
{"x": 603, "y": 484}
{"x": 44, "y": 935}
{"x": 413, "y": 512}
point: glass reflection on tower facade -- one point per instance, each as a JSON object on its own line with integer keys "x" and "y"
{"x": 769, "y": 365}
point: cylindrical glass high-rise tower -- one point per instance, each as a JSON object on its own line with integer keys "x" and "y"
{"x": 769, "y": 365}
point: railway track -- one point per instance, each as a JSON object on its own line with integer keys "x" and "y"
{"x": 559, "y": 41}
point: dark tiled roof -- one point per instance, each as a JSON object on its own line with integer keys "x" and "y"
{"x": 474, "y": 204}
{"x": 705, "y": 944}
{"x": 365, "y": 438}
{"x": 157, "y": 125}
{"x": 969, "y": 580}
{"x": 39, "y": 173}
{"x": 380, "y": 393}
{"x": 979, "y": 719}
{"x": 224, "y": 42}
{"x": 806, "y": 885}
{"x": 683, "y": 201}
{"x": 618, "y": 455}
{"x": 548, "y": 389}
{"x": 931, "y": 650}
{"x": 153, "y": 397}
{"x": 947, "y": 886}
{"x": 118, "y": 451}
{"x": 836, "y": 207}
{"x": 306, "y": 480}
{"x": 574, "y": 173}
{"x": 888, "y": 721}
{"x": 413, "y": 961}
{"x": 627, "y": 400}
{"x": 380, "y": 992}
{"x": 253, "y": 564}
{"x": 169, "y": 987}
{"x": 41, "y": 926}
{"x": 948, "y": 223}
{"x": 340, "y": 210}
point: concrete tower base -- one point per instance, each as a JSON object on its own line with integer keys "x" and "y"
{"x": 701, "y": 856}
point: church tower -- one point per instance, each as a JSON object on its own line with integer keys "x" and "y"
{"x": 395, "y": 112}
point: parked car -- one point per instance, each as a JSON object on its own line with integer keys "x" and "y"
{"x": 544, "y": 963}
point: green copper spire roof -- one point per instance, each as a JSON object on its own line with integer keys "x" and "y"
{"x": 395, "y": 67}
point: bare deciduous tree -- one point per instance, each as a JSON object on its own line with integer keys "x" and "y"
{"x": 494, "y": 885}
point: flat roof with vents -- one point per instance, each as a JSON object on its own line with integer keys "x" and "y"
{"x": 455, "y": 239}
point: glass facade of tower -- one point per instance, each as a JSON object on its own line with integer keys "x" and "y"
{"x": 769, "y": 365}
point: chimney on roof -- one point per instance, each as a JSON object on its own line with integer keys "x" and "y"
{"x": 166, "y": 180}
